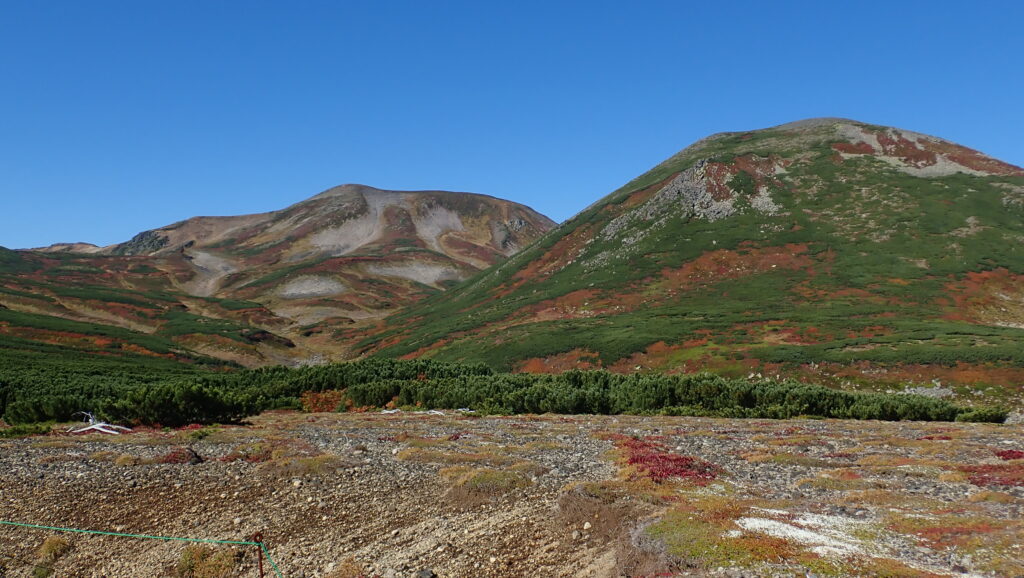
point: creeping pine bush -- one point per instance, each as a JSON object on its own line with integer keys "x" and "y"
{"x": 45, "y": 393}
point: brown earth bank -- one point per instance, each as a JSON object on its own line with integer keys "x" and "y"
{"x": 430, "y": 494}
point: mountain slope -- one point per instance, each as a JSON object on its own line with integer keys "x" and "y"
{"x": 350, "y": 253}
{"x": 827, "y": 248}
{"x": 272, "y": 287}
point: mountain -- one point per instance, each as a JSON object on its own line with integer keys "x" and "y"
{"x": 827, "y": 249}
{"x": 271, "y": 287}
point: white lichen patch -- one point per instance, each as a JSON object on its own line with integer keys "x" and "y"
{"x": 348, "y": 236}
{"x": 434, "y": 222}
{"x": 1014, "y": 196}
{"x": 973, "y": 227}
{"x": 311, "y": 286}
{"x": 425, "y": 273}
{"x": 824, "y": 535}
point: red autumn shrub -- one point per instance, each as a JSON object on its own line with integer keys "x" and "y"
{"x": 653, "y": 460}
{"x": 322, "y": 401}
{"x": 995, "y": 475}
{"x": 1010, "y": 455}
{"x": 180, "y": 456}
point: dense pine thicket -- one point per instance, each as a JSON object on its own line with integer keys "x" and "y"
{"x": 156, "y": 395}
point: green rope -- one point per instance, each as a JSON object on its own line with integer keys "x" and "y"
{"x": 261, "y": 545}
{"x": 271, "y": 560}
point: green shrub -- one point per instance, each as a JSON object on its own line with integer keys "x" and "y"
{"x": 152, "y": 397}
{"x": 22, "y": 430}
{"x": 984, "y": 414}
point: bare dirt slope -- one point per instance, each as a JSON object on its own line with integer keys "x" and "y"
{"x": 452, "y": 495}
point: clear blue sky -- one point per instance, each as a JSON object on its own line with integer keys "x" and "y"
{"x": 123, "y": 116}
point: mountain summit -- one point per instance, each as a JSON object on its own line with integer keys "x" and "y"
{"x": 828, "y": 248}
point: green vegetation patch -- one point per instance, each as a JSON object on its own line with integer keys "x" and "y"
{"x": 146, "y": 394}
{"x": 14, "y": 262}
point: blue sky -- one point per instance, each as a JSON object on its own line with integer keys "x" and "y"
{"x": 123, "y": 116}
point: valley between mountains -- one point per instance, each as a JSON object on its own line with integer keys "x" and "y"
{"x": 795, "y": 351}
{"x": 827, "y": 250}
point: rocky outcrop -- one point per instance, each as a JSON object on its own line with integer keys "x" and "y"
{"x": 144, "y": 243}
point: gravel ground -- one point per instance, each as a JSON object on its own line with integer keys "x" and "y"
{"x": 394, "y": 495}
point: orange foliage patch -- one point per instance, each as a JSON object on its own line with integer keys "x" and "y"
{"x": 143, "y": 351}
{"x": 575, "y": 305}
{"x": 575, "y": 359}
{"x": 982, "y": 297}
{"x": 421, "y": 352}
{"x": 566, "y": 250}
{"x": 323, "y": 401}
{"x": 640, "y": 197}
{"x": 925, "y": 152}
{"x": 723, "y": 264}
{"x": 663, "y": 357}
{"x": 657, "y": 356}
{"x": 65, "y": 338}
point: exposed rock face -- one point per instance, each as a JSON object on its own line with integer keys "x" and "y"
{"x": 144, "y": 243}
{"x": 684, "y": 197}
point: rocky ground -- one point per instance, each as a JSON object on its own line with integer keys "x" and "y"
{"x": 420, "y": 494}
